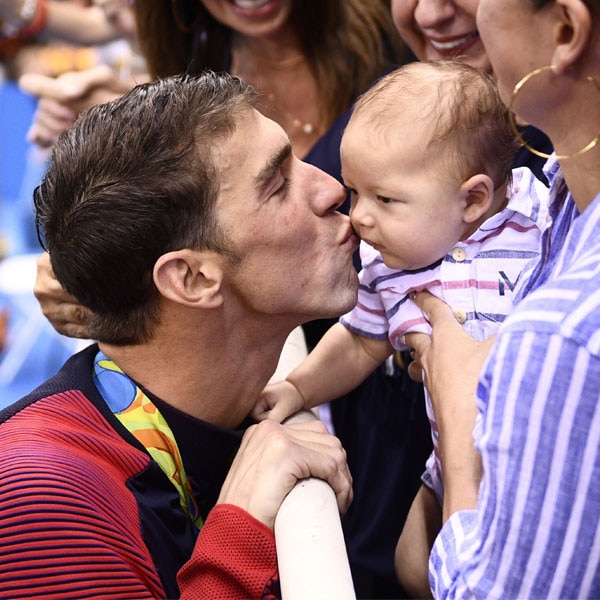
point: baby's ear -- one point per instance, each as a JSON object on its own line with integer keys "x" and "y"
{"x": 478, "y": 193}
{"x": 190, "y": 277}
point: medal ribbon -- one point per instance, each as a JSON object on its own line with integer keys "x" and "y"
{"x": 138, "y": 414}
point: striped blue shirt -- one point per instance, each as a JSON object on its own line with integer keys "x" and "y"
{"x": 536, "y": 532}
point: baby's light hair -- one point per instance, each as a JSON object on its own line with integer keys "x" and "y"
{"x": 471, "y": 128}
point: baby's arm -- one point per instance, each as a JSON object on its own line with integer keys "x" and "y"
{"x": 340, "y": 361}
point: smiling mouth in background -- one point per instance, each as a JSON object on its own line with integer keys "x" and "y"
{"x": 249, "y": 4}
{"x": 455, "y": 46}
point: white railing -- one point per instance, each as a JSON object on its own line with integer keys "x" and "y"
{"x": 311, "y": 552}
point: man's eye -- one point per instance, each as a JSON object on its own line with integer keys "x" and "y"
{"x": 283, "y": 188}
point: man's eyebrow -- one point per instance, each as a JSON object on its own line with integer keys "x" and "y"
{"x": 271, "y": 168}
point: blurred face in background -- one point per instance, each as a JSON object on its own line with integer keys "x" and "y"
{"x": 119, "y": 14}
{"x": 254, "y": 18}
{"x": 515, "y": 24}
{"x": 441, "y": 30}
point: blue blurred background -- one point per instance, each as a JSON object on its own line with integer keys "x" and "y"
{"x": 31, "y": 350}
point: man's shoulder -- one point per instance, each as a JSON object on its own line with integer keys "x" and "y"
{"x": 63, "y": 429}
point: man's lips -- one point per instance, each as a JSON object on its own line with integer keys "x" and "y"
{"x": 351, "y": 238}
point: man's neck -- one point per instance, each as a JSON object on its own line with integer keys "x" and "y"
{"x": 213, "y": 376}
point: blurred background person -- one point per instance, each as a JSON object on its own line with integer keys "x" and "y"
{"x": 47, "y": 40}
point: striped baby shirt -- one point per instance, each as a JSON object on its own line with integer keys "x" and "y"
{"x": 476, "y": 279}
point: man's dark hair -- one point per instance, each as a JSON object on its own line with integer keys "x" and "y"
{"x": 132, "y": 180}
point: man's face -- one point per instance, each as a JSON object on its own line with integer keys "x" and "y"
{"x": 293, "y": 249}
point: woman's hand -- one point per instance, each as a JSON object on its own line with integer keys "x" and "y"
{"x": 450, "y": 356}
{"x": 452, "y": 362}
{"x": 62, "y": 98}
{"x": 63, "y": 311}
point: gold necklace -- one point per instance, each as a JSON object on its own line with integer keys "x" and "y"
{"x": 286, "y": 63}
{"x": 272, "y": 104}
{"x": 305, "y": 127}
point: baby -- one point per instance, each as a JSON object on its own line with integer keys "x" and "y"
{"x": 427, "y": 158}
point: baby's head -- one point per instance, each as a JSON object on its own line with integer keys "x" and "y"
{"x": 427, "y": 155}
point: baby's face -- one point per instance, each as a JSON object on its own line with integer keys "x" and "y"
{"x": 408, "y": 207}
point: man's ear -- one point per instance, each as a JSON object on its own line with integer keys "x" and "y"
{"x": 478, "y": 194}
{"x": 190, "y": 277}
{"x": 572, "y": 35}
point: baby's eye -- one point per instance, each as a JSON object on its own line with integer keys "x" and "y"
{"x": 384, "y": 200}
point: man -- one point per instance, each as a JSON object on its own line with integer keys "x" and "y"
{"x": 179, "y": 215}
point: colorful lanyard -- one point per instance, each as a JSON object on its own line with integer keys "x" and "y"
{"x": 143, "y": 420}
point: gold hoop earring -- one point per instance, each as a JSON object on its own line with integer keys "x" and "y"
{"x": 511, "y": 117}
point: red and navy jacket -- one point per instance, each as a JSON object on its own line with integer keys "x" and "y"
{"x": 86, "y": 512}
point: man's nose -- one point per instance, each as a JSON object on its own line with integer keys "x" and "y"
{"x": 329, "y": 193}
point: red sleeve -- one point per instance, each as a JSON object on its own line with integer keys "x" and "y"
{"x": 234, "y": 558}
{"x": 69, "y": 525}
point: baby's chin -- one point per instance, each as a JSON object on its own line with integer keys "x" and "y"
{"x": 397, "y": 264}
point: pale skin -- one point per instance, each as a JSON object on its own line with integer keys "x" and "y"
{"x": 258, "y": 44}
{"x": 370, "y": 169}
{"x": 412, "y": 219}
{"x": 434, "y": 30}
{"x": 235, "y": 305}
{"x": 70, "y": 21}
{"x": 561, "y": 35}
{"x": 561, "y": 42}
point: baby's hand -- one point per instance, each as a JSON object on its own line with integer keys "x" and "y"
{"x": 277, "y": 402}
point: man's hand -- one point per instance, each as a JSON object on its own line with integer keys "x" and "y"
{"x": 63, "y": 311}
{"x": 273, "y": 457}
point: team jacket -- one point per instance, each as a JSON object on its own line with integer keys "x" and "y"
{"x": 85, "y": 511}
